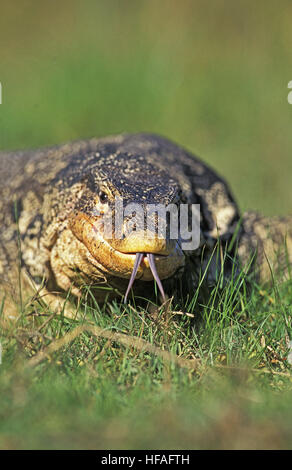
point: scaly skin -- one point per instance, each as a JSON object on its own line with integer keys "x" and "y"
{"x": 57, "y": 193}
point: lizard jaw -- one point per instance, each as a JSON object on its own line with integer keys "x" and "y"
{"x": 127, "y": 265}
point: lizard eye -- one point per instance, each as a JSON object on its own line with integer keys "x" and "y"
{"x": 103, "y": 197}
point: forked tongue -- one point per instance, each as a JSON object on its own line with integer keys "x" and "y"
{"x": 137, "y": 263}
{"x": 138, "y": 259}
{"x": 155, "y": 274}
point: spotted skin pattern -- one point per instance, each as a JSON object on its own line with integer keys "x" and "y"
{"x": 50, "y": 231}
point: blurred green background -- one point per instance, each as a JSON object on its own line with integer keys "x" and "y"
{"x": 211, "y": 76}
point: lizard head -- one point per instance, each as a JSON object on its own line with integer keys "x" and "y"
{"x": 122, "y": 220}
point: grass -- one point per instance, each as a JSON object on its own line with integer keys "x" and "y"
{"x": 214, "y": 79}
{"x": 196, "y": 375}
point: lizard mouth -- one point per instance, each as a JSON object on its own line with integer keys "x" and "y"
{"x": 142, "y": 259}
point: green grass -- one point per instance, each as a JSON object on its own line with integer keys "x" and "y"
{"x": 212, "y": 77}
{"x": 95, "y": 393}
